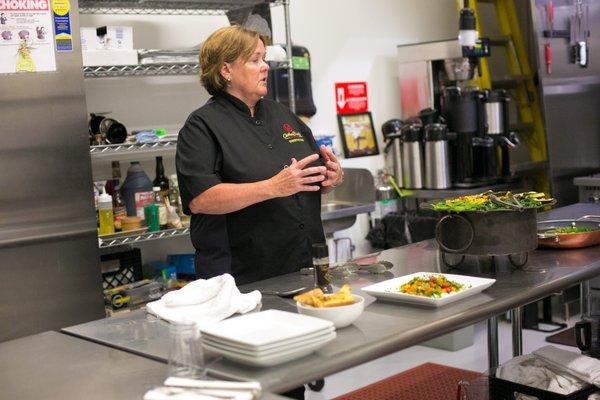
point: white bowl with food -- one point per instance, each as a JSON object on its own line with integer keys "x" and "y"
{"x": 341, "y": 316}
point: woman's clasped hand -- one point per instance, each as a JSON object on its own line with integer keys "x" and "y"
{"x": 298, "y": 177}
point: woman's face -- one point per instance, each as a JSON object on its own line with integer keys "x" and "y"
{"x": 248, "y": 78}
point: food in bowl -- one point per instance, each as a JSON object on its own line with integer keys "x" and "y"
{"x": 341, "y": 308}
{"x": 434, "y": 286}
{"x": 316, "y": 298}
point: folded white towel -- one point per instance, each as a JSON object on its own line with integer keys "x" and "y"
{"x": 583, "y": 367}
{"x": 176, "y": 388}
{"x": 204, "y": 302}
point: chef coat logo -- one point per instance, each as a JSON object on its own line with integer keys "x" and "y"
{"x": 290, "y": 134}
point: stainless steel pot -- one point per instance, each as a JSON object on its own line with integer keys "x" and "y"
{"x": 491, "y": 233}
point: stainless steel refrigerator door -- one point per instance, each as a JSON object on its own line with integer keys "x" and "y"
{"x": 49, "y": 256}
{"x": 571, "y": 99}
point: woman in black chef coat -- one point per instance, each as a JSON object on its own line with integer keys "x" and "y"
{"x": 250, "y": 172}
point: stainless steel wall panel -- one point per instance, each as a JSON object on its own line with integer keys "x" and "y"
{"x": 49, "y": 259}
{"x": 48, "y": 286}
{"x": 571, "y": 99}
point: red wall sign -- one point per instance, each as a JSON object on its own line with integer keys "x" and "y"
{"x": 351, "y": 97}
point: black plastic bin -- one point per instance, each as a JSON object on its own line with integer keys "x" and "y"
{"x": 121, "y": 268}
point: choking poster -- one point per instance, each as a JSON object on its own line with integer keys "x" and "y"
{"x": 26, "y": 36}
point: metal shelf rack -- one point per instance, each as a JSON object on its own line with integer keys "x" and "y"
{"x": 166, "y": 69}
{"x": 179, "y": 7}
{"x": 143, "y": 237}
{"x": 165, "y": 7}
{"x": 112, "y": 71}
{"x": 132, "y": 148}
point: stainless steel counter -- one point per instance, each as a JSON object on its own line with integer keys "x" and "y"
{"x": 384, "y": 327}
{"x": 52, "y": 366}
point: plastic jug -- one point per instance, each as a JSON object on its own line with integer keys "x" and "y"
{"x": 137, "y": 190}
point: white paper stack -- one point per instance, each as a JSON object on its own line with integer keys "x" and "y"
{"x": 267, "y": 338}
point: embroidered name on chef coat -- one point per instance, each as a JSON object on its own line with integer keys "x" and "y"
{"x": 290, "y": 134}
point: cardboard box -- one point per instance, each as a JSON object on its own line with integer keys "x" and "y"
{"x": 107, "y": 38}
{"x": 94, "y": 58}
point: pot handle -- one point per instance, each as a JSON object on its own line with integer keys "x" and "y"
{"x": 593, "y": 218}
{"x": 438, "y": 228}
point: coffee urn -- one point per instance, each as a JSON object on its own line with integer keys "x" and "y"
{"x": 437, "y": 157}
{"x": 392, "y": 134}
{"x": 496, "y": 110}
{"x": 412, "y": 161}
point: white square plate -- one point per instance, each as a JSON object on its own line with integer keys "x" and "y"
{"x": 270, "y": 351}
{"x": 274, "y": 359}
{"x": 266, "y": 327}
{"x": 268, "y": 347}
{"x": 389, "y": 290}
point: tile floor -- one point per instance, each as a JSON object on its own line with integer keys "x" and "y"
{"x": 472, "y": 358}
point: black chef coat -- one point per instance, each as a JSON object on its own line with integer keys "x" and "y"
{"x": 221, "y": 143}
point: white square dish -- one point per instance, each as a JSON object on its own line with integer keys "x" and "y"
{"x": 266, "y": 327}
{"x": 270, "y": 360}
{"x": 389, "y": 290}
{"x": 290, "y": 347}
{"x": 268, "y": 347}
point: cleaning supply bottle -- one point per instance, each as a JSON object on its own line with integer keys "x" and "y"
{"x": 105, "y": 213}
{"x": 137, "y": 190}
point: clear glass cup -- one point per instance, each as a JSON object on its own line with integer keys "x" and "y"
{"x": 186, "y": 358}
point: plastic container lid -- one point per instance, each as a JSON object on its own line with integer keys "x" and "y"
{"x": 412, "y": 133}
{"x": 391, "y": 129}
{"x": 104, "y": 200}
{"x": 496, "y": 96}
{"x": 320, "y": 250}
{"x": 435, "y": 132}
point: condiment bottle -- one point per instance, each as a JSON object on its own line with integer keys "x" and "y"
{"x": 119, "y": 210}
{"x": 161, "y": 180}
{"x": 174, "y": 196}
{"x": 105, "y": 213}
{"x": 162, "y": 209}
{"x": 320, "y": 255}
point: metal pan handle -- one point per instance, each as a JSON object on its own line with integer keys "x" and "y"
{"x": 593, "y": 218}
{"x": 438, "y": 228}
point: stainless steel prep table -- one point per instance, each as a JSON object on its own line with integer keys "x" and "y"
{"x": 52, "y": 365}
{"x": 384, "y": 327}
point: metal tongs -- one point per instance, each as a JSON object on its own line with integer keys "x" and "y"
{"x": 350, "y": 267}
{"x": 513, "y": 203}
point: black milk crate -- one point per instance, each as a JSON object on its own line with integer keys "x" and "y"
{"x": 121, "y": 268}
{"x": 501, "y": 389}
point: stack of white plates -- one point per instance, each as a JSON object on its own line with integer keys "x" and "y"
{"x": 267, "y": 338}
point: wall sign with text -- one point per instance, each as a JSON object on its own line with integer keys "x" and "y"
{"x": 351, "y": 97}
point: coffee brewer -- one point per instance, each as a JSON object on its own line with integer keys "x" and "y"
{"x": 473, "y": 151}
{"x": 437, "y": 76}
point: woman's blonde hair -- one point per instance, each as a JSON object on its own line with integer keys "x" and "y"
{"x": 225, "y": 45}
